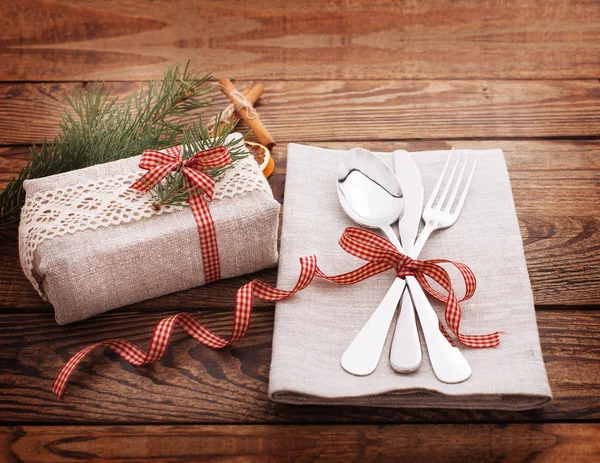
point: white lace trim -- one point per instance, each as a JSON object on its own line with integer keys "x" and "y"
{"x": 109, "y": 202}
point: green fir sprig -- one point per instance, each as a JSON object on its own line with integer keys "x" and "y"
{"x": 101, "y": 128}
{"x": 197, "y": 137}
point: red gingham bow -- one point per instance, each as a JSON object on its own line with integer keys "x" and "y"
{"x": 381, "y": 256}
{"x": 197, "y": 184}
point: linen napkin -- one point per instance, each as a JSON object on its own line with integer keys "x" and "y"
{"x": 314, "y": 327}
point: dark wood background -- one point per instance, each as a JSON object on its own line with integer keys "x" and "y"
{"x": 521, "y": 75}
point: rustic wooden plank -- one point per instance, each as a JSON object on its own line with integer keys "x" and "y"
{"x": 555, "y": 185}
{"x": 195, "y": 384}
{"x": 449, "y": 443}
{"x": 363, "y": 110}
{"x": 12, "y": 160}
{"x": 270, "y": 39}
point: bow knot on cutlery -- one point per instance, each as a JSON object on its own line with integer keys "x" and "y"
{"x": 382, "y": 255}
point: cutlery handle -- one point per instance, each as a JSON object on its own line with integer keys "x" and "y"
{"x": 449, "y": 364}
{"x": 405, "y": 353}
{"x": 362, "y": 356}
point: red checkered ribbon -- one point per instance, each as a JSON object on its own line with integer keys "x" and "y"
{"x": 199, "y": 186}
{"x": 381, "y": 256}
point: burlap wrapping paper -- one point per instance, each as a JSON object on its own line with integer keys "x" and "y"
{"x": 314, "y": 327}
{"x": 95, "y": 270}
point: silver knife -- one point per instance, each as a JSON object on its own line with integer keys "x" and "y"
{"x": 405, "y": 354}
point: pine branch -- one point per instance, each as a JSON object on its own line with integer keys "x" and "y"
{"x": 101, "y": 129}
{"x": 198, "y": 137}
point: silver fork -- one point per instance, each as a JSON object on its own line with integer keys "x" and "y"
{"x": 448, "y": 363}
{"x": 441, "y": 215}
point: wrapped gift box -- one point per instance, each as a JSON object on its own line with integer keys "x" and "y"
{"x": 89, "y": 244}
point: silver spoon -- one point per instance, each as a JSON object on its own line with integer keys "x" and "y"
{"x": 370, "y": 194}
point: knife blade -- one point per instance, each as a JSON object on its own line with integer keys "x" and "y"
{"x": 405, "y": 353}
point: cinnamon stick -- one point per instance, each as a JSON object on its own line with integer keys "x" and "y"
{"x": 252, "y": 94}
{"x": 229, "y": 114}
{"x": 248, "y": 115}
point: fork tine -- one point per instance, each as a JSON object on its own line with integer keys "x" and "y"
{"x": 438, "y": 184}
{"x": 456, "y": 186}
{"x": 440, "y": 203}
{"x": 464, "y": 193}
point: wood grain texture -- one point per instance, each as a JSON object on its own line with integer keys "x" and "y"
{"x": 362, "y": 110}
{"x": 556, "y": 186}
{"x": 12, "y": 160}
{"x": 274, "y": 39}
{"x": 415, "y": 75}
{"x": 448, "y": 443}
{"x": 195, "y": 384}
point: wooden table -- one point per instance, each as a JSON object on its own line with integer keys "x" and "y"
{"x": 521, "y": 75}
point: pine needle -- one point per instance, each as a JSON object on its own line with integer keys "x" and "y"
{"x": 197, "y": 137}
{"x": 100, "y": 129}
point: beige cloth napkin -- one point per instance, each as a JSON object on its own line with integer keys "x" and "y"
{"x": 314, "y": 327}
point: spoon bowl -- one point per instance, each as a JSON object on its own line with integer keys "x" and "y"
{"x": 368, "y": 190}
